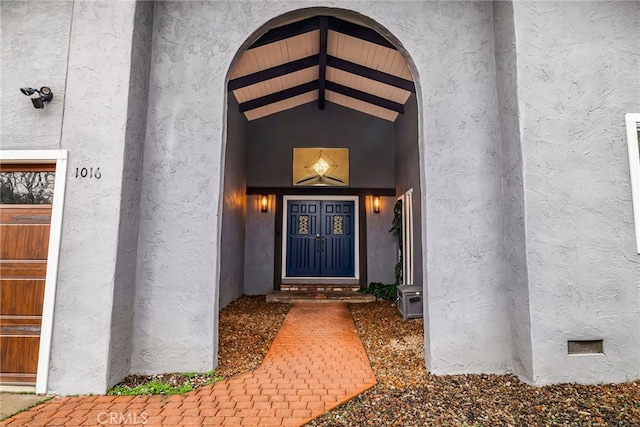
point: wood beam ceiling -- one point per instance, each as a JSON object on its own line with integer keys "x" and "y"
{"x": 322, "y": 60}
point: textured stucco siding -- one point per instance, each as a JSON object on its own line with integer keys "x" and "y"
{"x": 94, "y": 132}
{"x": 34, "y": 51}
{"x": 125, "y": 276}
{"x": 381, "y": 245}
{"x": 259, "y": 247}
{"x": 178, "y": 260}
{"x": 234, "y": 208}
{"x": 467, "y": 305}
{"x": 516, "y": 276}
{"x": 578, "y": 65}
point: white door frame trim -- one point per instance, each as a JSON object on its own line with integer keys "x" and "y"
{"x": 632, "y": 122}
{"x": 356, "y": 230}
{"x": 59, "y": 157}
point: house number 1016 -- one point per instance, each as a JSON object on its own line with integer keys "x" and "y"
{"x": 88, "y": 173}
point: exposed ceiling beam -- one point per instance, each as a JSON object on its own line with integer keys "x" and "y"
{"x": 370, "y": 73}
{"x": 366, "y": 97}
{"x": 271, "y": 73}
{"x": 312, "y": 61}
{"x": 286, "y": 31}
{"x": 355, "y": 30}
{"x": 278, "y": 96}
{"x": 322, "y": 60}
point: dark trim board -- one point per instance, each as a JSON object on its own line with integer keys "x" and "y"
{"x": 273, "y": 72}
{"x": 366, "y": 97}
{"x": 370, "y": 73}
{"x": 278, "y": 96}
{"x": 362, "y": 210}
{"x": 321, "y": 191}
{"x": 286, "y": 31}
{"x": 322, "y": 61}
{"x": 277, "y": 253}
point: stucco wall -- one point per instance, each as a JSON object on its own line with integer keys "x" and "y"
{"x": 28, "y": 29}
{"x": 178, "y": 251}
{"x": 259, "y": 248}
{"x": 271, "y": 141}
{"x": 467, "y": 305}
{"x": 516, "y": 275}
{"x": 234, "y": 209}
{"x": 381, "y": 245}
{"x": 94, "y": 132}
{"x": 578, "y": 65}
{"x": 125, "y": 276}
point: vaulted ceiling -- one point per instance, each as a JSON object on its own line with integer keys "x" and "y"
{"x": 322, "y": 59}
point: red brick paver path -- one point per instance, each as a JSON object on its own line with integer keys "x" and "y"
{"x": 315, "y": 363}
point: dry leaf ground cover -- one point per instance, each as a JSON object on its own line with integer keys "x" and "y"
{"x": 406, "y": 395}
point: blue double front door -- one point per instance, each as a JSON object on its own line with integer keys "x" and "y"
{"x": 320, "y": 238}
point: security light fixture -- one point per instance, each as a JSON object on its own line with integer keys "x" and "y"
{"x": 44, "y": 95}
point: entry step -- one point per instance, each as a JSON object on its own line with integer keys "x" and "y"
{"x": 320, "y": 287}
{"x": 317, "y": 296}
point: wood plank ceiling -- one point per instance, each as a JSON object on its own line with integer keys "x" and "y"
{"x": 322, "y": 59}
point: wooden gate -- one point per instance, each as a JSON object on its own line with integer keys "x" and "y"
{"x": 24, "y": 239}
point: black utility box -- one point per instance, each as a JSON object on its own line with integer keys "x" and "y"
{"x": 409, "y": 301}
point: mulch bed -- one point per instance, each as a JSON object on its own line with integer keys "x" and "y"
{"x": 407, "y": 395}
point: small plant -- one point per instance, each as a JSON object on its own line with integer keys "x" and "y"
{"x": 382, "y": 291}
{"x": 153, "y": 387}
{"x": 166, "y": 385}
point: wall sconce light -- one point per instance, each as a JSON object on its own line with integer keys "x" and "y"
{"x": 376, "y": 204}
{"x": 264, "y": 203}
{"x": 44, "y": 95}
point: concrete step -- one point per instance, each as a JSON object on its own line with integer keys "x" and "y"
{"x": 301, "y": 296}
{"x": 304, "y": 287}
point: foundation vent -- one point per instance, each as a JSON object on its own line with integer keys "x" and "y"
{"x": 585, "y": 347}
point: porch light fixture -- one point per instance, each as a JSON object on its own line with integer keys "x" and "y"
{"x": 264, "y": 203}
{"x": 45, "y": 95}
{"x": 376, "y": 204}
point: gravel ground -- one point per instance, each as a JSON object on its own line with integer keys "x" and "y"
{"x": 247, "y": 327}
{"x": 407, "y": 395}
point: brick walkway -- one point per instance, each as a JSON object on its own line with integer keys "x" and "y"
{"x": 315, "y": 363}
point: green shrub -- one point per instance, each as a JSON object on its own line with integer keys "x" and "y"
{"x": 382, "y": 291}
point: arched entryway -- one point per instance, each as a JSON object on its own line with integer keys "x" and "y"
{"x": 322, "y": 121}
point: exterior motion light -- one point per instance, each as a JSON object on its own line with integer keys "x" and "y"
{"x": 44, "y": 95}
